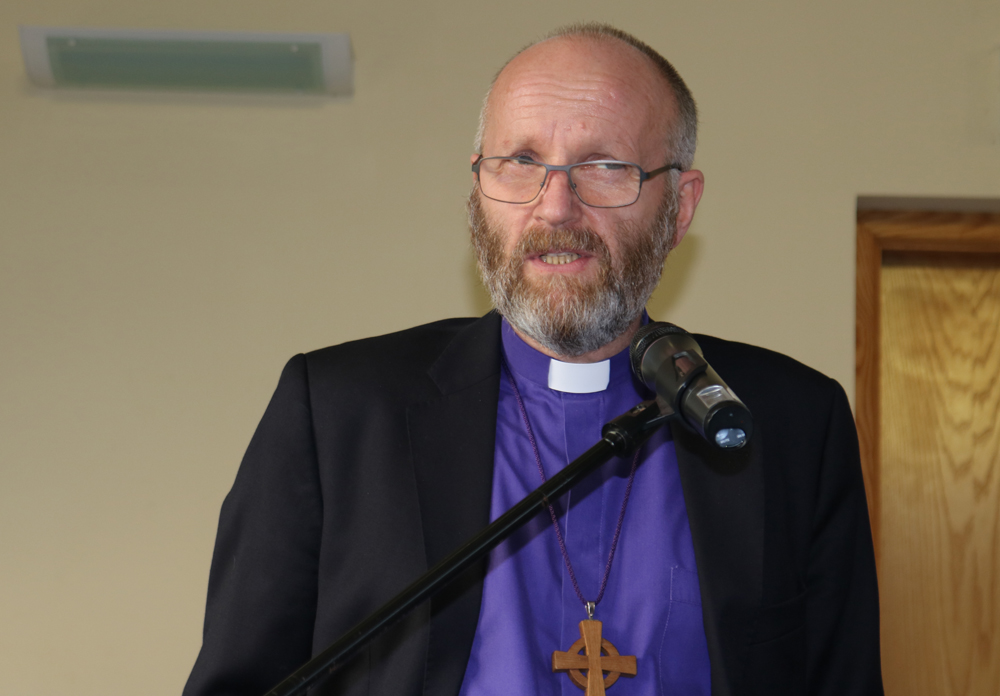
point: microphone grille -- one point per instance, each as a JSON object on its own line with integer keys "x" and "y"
{"x": 644, "y": 338}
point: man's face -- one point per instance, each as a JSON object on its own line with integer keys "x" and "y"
{"x": 572, "y": 313}
{"x": 573, "y": 277}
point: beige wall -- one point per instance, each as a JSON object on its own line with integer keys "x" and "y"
{"x": 161, "y": 257}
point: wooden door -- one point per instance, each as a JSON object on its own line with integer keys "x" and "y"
{"x": 928, "y": 409}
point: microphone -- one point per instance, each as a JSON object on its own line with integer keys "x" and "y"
{"x": 668, "y": 360}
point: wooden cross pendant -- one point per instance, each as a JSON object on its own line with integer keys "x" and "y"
{"x": 592, "y": 661}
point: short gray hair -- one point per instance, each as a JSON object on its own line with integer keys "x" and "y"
{"x": 682, "y": 137}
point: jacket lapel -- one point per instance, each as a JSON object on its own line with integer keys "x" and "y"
{"x": 452, "y": 442}
{"x": 724, "y": 495}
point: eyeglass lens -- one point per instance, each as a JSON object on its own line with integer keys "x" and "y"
{"x": 601, "y": 184}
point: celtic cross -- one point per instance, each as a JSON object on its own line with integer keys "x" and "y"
{"x": 592, "y": 661}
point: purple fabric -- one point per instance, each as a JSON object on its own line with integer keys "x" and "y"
{"x": 652, "y": 606}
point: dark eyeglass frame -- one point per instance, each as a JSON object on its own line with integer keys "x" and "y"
{"x": 643, "y": 176}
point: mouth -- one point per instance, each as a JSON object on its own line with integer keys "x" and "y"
{"x": 559, "y": 261}
{"x": 559, "y": 258}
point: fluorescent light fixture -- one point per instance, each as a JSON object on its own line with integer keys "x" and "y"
{"x": 142, "y": 59}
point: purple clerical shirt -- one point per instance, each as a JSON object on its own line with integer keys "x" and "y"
{"x": 652, "y": 605}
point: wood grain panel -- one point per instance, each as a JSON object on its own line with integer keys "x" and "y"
{"x": 880, "y": 230}
{"x": 939, "y": 474}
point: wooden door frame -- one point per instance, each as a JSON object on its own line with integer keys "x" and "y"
{"x": 903, "y": 224}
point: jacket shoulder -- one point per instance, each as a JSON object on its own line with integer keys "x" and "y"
{"x": 743, "y": 356}
{"x": 424, "y": 341}
{"x": 770, "y": 381}
{"x": 390, "y": 362}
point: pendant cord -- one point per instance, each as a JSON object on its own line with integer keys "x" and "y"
{"x": 552, "y": 511}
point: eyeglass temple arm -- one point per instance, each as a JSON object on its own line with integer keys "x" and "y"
{"x": 655, "y": 172}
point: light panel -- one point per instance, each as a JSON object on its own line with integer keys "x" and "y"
{"x": 188, "y": 60}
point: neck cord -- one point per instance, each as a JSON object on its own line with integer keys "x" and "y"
{"x": 589, "y": 606}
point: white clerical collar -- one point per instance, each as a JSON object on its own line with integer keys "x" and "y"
{"x": 579, "y": 378}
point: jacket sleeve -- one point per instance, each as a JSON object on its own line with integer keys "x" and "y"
{"x": 842, "y": 593}
{"x": 263, "y": 582}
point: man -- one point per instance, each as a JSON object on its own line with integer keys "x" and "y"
{"x": 725, "y": 574}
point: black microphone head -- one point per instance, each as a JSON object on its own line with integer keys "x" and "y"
{"x": 644, "y": 338}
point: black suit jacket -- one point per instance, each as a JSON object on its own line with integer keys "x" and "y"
{"x": 374, "y": 460}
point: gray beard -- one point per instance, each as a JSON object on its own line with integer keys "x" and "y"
{"x": 567, "y": 315}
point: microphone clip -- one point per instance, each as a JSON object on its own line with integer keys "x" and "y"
{"x": 629, "y": 430}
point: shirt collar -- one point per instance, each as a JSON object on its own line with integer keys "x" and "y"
{"x": 575, "y": 378}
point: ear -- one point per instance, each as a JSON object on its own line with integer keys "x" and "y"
{"x": 690, "y": 186}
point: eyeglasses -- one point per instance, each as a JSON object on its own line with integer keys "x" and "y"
{"x": 599, "y": 184}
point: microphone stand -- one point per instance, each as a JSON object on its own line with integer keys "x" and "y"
{"x": 619, "y": 437}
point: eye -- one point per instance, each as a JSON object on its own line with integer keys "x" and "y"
{"x": 521, "y": 162}
{"x": 611, "y": 166}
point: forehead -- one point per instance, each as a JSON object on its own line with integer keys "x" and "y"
{"x": 575, "y": 93}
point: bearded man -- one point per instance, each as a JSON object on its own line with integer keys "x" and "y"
{"x": 743, "y": 574}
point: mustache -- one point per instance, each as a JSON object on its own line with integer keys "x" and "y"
{"x": 536, "y": 240}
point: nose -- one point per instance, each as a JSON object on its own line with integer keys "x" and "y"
{"x": 557, "y": 205}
